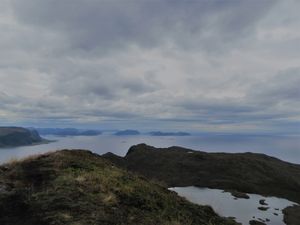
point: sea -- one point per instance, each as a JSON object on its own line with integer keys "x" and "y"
{"x": 284, "y": 147}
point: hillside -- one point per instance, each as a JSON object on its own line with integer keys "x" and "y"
{"x": 18, "y": 136}
{"x": 79, "y": 187}
{"x": 243, "y": 172}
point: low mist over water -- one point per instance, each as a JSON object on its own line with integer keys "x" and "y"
{"x": 283, "y": 147}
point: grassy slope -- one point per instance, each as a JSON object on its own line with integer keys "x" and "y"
{"x": 78, "y": 187}
{"x": 247, "y": 172}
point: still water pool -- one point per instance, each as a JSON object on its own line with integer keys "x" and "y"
{"x": 243, "y": 210}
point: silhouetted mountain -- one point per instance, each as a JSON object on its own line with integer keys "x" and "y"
{"x": 127, "y": 132}
{"x": 159, "y": 133}
{"x": 67, "y": 132}
{"x": 18, "y": 136}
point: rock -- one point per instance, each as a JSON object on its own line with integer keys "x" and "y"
{"x": 3, "y": 168}
{"x": 4, "y": 188}
{"x": 262, "y": 202}
{"x": 238, "y": 194}
{"x": 255, "y": 222}
{"x": 263, "y": 208}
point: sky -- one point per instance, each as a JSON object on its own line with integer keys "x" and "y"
{"x": 189, "y": 65}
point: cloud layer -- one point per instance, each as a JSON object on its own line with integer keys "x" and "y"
{"x": 163, "y": 64}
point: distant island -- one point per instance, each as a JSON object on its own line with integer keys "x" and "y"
{"x": 127, "y": 132}
{"x": 159, "y": 133}
{"x": 152, "y": 133}
{"x": 67, "y": 132}
{"x": 19, "y": 136}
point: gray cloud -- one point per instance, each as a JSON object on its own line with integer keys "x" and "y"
{"x": 106, "y": 25}
{"x": 211, "y": 65}
{"x": 283, "y": 87}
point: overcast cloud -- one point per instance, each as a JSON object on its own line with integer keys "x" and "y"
{"x": 195, "y": 65}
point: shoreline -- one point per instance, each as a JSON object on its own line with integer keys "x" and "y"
{"x": 43, "y": 142}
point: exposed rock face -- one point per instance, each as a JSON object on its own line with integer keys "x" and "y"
{"x": 79, "y": 187}
{"x": 262, "y": 202}
{"x": 18, "y": 136}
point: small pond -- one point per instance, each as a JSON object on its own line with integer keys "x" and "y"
{"x": 243, "y": 210}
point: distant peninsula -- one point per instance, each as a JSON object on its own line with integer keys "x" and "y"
{"x": 159, "y": 133}
{"x": 67, "y": 132}
{"x": 127, "y": 132}
{"x": 19, "y": 136}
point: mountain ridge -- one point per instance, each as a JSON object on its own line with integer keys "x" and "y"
{"x": 244, "y": 172}
{"x": 19, "y": 136}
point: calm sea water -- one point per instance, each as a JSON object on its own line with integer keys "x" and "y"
{"x": 284, "y": 147}
{"x": 243, "y": 210}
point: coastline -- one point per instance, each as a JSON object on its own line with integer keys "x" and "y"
{"x": 44, "y": 141}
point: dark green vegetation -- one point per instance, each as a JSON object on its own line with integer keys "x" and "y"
{"x": 18, "y": 136}
{"x": 79, "y": 187}
{"x": 243, "y": 172}
{"x": 292, "y": 215}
